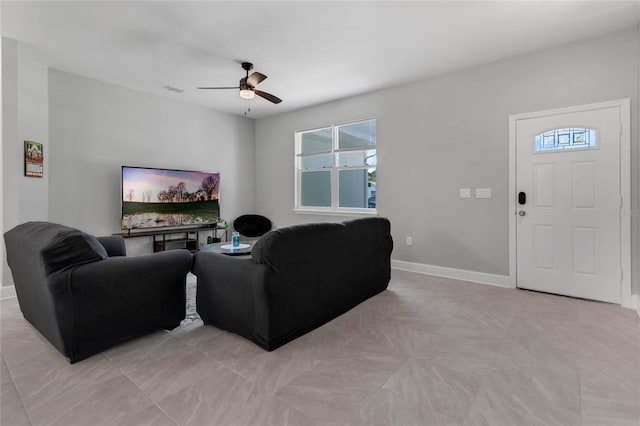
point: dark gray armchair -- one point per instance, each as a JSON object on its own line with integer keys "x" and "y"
{"x": 84, "y": 295}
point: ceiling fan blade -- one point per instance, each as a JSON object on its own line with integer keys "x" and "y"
{"x": 235, "y": 87}
{"x": 268, "y": 96}
{"x": 255, "y": 78}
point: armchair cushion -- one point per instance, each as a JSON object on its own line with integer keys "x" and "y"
{"x": 70, "y": 247}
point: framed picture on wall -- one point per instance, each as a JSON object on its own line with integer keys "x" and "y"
{"x": 33, "y": 159}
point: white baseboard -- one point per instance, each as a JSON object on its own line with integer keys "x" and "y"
{"x": 635, "y": 303}
{"x": 457, "y": 274}
{"x": 7, "y": 292}
{"x": 476, "y": 277}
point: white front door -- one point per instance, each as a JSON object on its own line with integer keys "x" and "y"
{"x": 569, "y": 197}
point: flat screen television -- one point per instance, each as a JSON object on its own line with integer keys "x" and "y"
{"x": 154, "y": 198}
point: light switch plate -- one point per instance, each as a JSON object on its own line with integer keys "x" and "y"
{"x": 465, "y": 192}
{"x": 483, "y": 192}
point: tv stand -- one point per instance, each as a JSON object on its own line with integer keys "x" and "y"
{"x": 188, "y": 238}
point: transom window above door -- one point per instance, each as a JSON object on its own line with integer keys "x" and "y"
{"x": 563, "y": 139}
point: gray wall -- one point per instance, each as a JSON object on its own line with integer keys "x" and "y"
{"x": 2, "y": 256}
{"x": 89, "y": 129}
{"x": 97, "y": 127}
{"x": 441, "y": 134}
{"x": 25, "y": 117}
{"x": 435, "y": 136}
{"x": 9, "y": 133}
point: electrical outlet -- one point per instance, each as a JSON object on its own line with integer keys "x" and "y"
{"x": 409, "y": 241}
{"x": 465, "y": 192}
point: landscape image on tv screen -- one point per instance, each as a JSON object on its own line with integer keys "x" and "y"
{"x": 163, "y": 198}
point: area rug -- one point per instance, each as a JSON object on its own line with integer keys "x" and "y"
{"x": 192, "y": 315}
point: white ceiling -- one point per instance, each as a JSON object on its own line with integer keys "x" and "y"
{"x": 313, "y": 52}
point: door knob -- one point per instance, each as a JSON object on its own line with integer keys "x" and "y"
{"x": 522, "y": 213}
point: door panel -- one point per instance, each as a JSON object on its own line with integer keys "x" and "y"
{"x": 544, "y": 185}
{"x": 584, "y": 185}
{"x": 585, "y": 251}
{"x": 566, "y": 244}
{"x": 544, "y": 243}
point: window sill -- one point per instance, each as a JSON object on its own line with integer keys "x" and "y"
{"x": 326, "y": 212}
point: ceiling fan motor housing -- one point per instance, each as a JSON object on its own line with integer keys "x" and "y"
{"x": 243, "y": 84}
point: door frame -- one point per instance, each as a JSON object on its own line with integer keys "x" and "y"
{"x": 625, "y": 186}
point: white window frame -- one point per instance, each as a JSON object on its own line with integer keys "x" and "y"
{"x": 335, "y": 169}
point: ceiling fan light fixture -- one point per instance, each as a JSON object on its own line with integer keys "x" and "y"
{"x": 247, "y": 93}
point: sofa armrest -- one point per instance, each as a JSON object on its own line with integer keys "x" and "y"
{"x": 207, "y": 265}
{"x": 119, "y": 273}
{"x": 230, "y": 294}
{"x": 114, "y": 244}
{"x": 130, "y": 294}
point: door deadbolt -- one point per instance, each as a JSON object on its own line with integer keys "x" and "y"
{"x": 522, "y": 213}
{"x": 522, "y": 198}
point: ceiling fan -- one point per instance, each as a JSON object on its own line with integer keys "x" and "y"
{"x": 248, "y": 85}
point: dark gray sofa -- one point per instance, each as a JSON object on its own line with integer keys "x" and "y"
{"x": 84, "y": 295}
{"x": 296, "y": 279}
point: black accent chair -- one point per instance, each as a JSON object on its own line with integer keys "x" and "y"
{"x": 296, "y": 279}
{"x": 84, "y": 295}
{"x": 252, "y": 225}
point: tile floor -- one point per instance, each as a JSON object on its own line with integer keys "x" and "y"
{"x": 428, "y": 351}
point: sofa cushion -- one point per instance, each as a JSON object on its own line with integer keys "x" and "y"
{"x": 299, "y": 244}
{"x": 71, "y": 247}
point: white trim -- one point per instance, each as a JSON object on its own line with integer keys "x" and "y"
{"x": 457, "y": 274}
{"x": 475, "y": 277}
{"x": 625, "y": 191}
{"x": 7, "y": 292}
{"x": 334, "y": 170}
{"x": 634, "y": 303}
{"x": 512, "y": 201}
{"x": 625, "y": 186}
{"x": 327, "y": 212}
